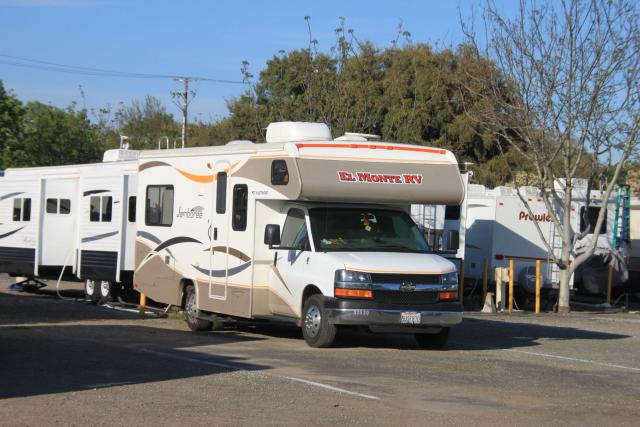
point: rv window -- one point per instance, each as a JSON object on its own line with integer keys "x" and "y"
{"x": 294, "y": 231}
{"x": 132, "y": 209}
{"x": 52, "y": 206}
{"x": 17, "y": 209}
{"x": 94, "y": 209}
{"x": 26, "y": 209}
{"x": 279, "y": 172}
{"x": 221, "y": 193}
{"x": 65, "y": 206}
{"x": 159, "y": 205}
{"x": 105, "y": 212}
{"x": 240, "y": 196}
{"x": 591, "y": 218}
{"x": 452, "y": 212}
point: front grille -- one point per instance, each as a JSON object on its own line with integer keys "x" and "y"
{"x": 417, "y": 279}
{"x": 405, "y": 298}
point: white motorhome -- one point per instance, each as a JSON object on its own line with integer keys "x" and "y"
{"x": 500, "y": 228}
{"x": 302, "y": 228}
{"x": 78, "y": 218}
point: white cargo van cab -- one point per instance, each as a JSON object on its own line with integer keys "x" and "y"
{"x": 303, "y": 228}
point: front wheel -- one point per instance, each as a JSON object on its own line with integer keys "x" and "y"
{"x": 316, "y": 329}
{"x": 191, "y": 312}
{"x": 435, "y": 341}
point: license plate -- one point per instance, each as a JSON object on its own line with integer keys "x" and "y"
{"x": 410, "y": 318}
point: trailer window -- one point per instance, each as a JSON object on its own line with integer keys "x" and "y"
{"x": 452, "y": 212}
{"x": 240, "y": 196}
{"x": 52, "y": 206}
{"x": 107, "y": 202}
{"x": 159, "y": 205}
{"x": 590, "y": 218}
{"x": 65, "y": 206}
{"x": 132, "y": 209}
{"x": 94, "y": 209}
{"x": 221, "y": 193}
{"x": 22, "y": 209}
{"x": 279, "y": 173}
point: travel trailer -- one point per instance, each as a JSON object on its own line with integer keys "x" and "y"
{"x": 634, "y": 255}
{"x": 78, "y": 220}
{"x": 302, "y": 228}
{"x": 444, "y": 226}
{"x": 500, "y": 228}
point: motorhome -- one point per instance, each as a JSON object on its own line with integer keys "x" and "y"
{"x": 302, "y": 228}
{"x": 501, "y": 228}
{"x": 78, "y": 220}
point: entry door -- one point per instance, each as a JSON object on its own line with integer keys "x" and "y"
{"x": 219, "y": 227}
{"x": 59, "y": 212}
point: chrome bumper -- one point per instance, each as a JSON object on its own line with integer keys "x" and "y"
{"x": 385, "y": 317}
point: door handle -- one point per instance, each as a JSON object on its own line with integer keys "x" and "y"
{"x": 215, "y": 233}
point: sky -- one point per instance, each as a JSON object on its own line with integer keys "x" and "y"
{"x": 193, "y": 38}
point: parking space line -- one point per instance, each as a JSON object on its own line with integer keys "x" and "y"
{"x": 328, "y": 387}
{"x": 555, "y": 356}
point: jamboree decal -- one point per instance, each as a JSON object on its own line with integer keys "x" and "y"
{"x": 379, "y": 178}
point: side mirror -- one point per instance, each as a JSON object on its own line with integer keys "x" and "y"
{"x": 272, "y": 235}
{"x": 453, "y": 240}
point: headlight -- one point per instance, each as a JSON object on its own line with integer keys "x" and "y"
{"x": 450, "y": 278}
{"x": 349, "y": 276}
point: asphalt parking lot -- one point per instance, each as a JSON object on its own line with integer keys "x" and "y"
{"x": 64, "y": 362}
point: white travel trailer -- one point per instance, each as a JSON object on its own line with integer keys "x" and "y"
{"x": 78, "y": 218}
{"x": 302, "y": 228}
{"x": 500, "y": 228}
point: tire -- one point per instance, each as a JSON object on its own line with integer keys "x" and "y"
{"x": 107, "y": 291}
{"x": 435, "y": 341}
{"x": 316, "y": 329}
{"x": 191, "y": 312}
{"x": 91, "y": 290}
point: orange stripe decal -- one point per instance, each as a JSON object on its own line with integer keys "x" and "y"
{"x": 373, "y": 147}
{"x": 205, "y": 179}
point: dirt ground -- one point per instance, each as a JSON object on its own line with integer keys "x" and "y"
{"x": 66, "y": 362}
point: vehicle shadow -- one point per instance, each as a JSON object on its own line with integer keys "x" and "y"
{"x": 62, "y": 358}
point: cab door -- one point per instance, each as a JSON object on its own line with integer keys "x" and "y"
{"x": 293, "y": 267}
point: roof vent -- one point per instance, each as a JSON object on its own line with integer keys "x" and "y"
{"x": 360, "y": 137}
{"x": 240, "y": 142}
{"x": 297, "y": 132}
{"x": 120, "y": 155}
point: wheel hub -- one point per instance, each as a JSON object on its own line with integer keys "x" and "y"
{"x": 105, "y": 288}
{"x": 312, "y": 321}
{"x": 90, "y": 287}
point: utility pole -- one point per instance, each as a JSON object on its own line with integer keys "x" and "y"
{"x": 182, "y": 101}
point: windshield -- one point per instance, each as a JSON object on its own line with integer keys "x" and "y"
{"x": 365, "y": 229}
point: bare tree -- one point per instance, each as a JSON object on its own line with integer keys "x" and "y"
{"x": 570, "y": 72}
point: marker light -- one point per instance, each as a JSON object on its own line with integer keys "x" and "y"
{"x": 353, "y": 293}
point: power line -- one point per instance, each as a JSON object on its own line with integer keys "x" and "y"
{"x": 97, "y": 72}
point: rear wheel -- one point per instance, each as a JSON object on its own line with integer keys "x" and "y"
{"x": 108, "y": 291}
{"x": 435, "y": 341}
{"x": 90, "y": 290}
{"x": 191, "y": 312}
{"x": 316, "y": 329}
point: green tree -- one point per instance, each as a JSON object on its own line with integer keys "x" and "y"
{"x": 145, "y": 122}
{"x": 52, "y": 136}
{"x": 11, "y": 122}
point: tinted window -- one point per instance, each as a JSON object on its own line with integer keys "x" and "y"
{"x": 240, "y": 196}
{"x": 26, "y": 210}
{"x": 94, "y": 209}
{"x": 132, "y": 209}
{"x": 107, "y": 206}
{"x": 294, "y": 230}
{"x": 452, "y": 212}
{"x": 65, "y": 206}
{"x": 159, "y": 205}
{"x": 279, "y": 172}
{"x": 17, "y": 209}
{"x": 221, "y": 193}
{"x": 52, "y": 206}
{"x": 590, "y": 218}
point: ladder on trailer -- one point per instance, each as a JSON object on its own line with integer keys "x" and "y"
{"x": 622, "y": 219}
{"x": 553, "y": 271}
